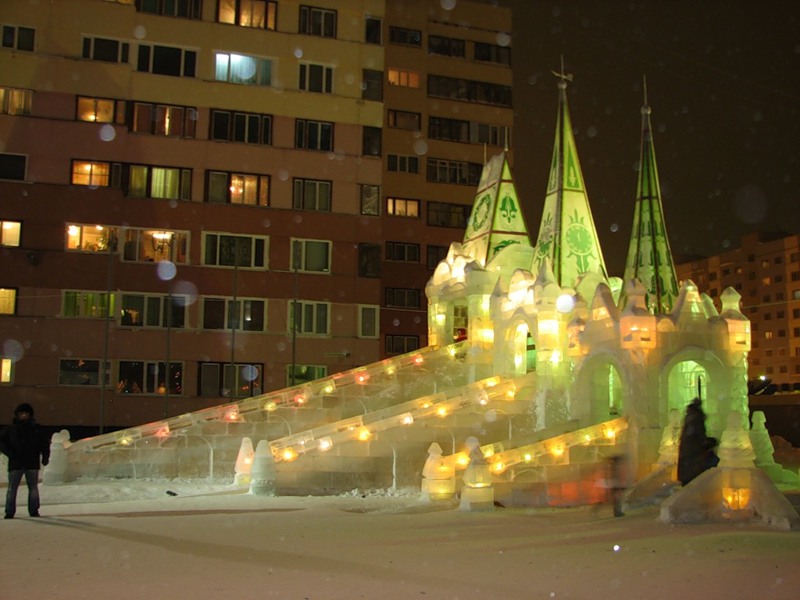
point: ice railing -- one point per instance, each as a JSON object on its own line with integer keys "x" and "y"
{"x": 550, "y": 451}
{"x": 363, "y": 428}
{"x": 258, "y": 408}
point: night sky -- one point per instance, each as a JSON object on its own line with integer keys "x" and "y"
{"x": 723, "y": 82}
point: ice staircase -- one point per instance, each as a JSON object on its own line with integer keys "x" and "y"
{"x": 366, "y": 428}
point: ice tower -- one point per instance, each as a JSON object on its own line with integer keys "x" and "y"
{"x": 567, "y": 235}
{"x": 649, "y": 256}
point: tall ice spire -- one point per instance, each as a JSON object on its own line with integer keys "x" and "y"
{"x": 567, "y": 235}
{"x": 649, "y": 256}
{"x": 496, "y": 219}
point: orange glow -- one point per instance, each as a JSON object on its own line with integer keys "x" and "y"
{"x": 300, "y": 399}
{"x": 288, "y": 454}
{"x": 418, "y": 360}
{"x": 364, "y": 434}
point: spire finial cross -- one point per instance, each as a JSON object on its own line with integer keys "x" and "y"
{"x": 562, "y": 76}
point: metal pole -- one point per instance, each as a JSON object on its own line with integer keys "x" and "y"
{"x": 168, "y": 374}
{"x": 112, "y": 243}
{"x": 295, "y": 263}
{"x": 235, "y": 307}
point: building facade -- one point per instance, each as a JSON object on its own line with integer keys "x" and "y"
{"x": 765, "y": 270}
{"x": 209, "y": 199}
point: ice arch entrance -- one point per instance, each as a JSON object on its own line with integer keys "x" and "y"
{"x": 600, "y": 390}
{"x": 523, "y": 349}
{"x": 687, "y": 380}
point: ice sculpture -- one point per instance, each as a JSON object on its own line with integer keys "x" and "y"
{"x": 438, "y": 476}
{"x": 244, "y": 462}
{"x": 576, "y": 362}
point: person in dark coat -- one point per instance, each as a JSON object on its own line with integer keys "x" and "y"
{"x": 25, "y": 444}
{"x": 696, "y": 450}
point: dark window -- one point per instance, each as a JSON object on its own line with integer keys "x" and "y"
{"x": 166, "y": 60}
{"x": 317, "y": 21}
{"x": 441, "y": 214}
{"x": 400, "y": 344}
{"x": 409, "y": 37}
{"x": 105, "y": 50}
{"x": 12, "y": 166}
{"x": 313, "y": 135}
{"x": 402, "y": 297}
{"x": 436, "y": 254}
{"x": 453, "y": 171}
{"x": 372, "y": 31}
{"x": 241, "y": 127}
{"x": 467, "y": 90}
{"x": 402, "y": 252}
{"x": 188, "y": 9}
{"x": 401, "y": 119}
{"x": 371, "y": 143}
{"x": 369, "y": 260}
{"x": 372, "y": 87}
{"x": 446, "y": 46}
{"x": 492, "y": 53}
{"x": 370, "y": 199}
{"x": 403, "y": 164}
{"x": 20, "y": 38}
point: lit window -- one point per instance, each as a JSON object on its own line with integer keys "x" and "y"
{"x": 370, "y": 199}
{"x": 153, "y": 245}
{"x": 88, "y": 304}
{"x": 243, "y": 70}
{"x": 10, "y": 233}
{"x": 8, "y": 301}
{"x": 260, "y": 14}
{"x": 238, "y": 188}
{"x": 402, "y": 207}
{"x": 15, "y": 102}
{"x": 86, "y": 172}
{"x": 6, "y": 370}
{"x": 403, "y": 78}
{"x": 91, "y": 238}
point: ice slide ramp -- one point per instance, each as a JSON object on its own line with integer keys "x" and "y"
{"x": 365, "y": 428}
{"x": 205, "y": 443}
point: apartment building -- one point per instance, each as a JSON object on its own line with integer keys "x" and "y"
{"x": 207, "y": 199}
{"x": 765, "y": 270}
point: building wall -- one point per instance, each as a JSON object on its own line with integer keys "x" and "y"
{"x": 41, "y": 270}
{"x": 765, "y": 270}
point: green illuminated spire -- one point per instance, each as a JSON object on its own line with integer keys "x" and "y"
{"x": 649, "y": 256}
{"x": 496, "y": 220}
{"x": 567, "y": 235}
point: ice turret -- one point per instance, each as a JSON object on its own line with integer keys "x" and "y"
{"x": 496, "y": 220}
{"x": 567, "y": 235}
{"x": 649, "y": 255}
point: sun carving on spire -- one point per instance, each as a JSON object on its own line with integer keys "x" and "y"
{"x": 579, "y": 240}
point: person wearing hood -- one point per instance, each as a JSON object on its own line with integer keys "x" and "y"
{"x": 696, "y": 449}
{"x": 25, "y": 444}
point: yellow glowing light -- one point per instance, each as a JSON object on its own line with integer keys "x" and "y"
{"x": 425, "y": 405}
{"x": 441, "y": 411}
{"x": 232, "y": 415}
{"x": 300, "y": 399}
{"x": 451, "y": 351}
{"x": 587, "y": 438}
{"x": 362, "y": 378}
{"x": 557, "y": 450}
{"x": 270, "y": 406}
{"x": 407, "y": 419}
{"x": 527, "y": 457}
{"x": 462, "y": 459}
{"x": 517, "y": 360}
{"x": 418, "y": 360}
{"x": 489, "y": 452}
{"x": 511, "y": 393}
{"x": 555, "y": 357}
{"x": 364, "y": 434}
{"x": 325, "y": 444}
{"x": 736, "y": 498}
{"x": 548, "y": 326}
{"x": 73, "y": 230}
{"x": 126, "y": 441}
{"x": 390, "y": 370}
{"x": 289, "y": 454}
{"x": 248, "y": 460}
{"x": 609, "y": 433}
{"x": 498, "y": 467}
{"x": 440, "y": 319}
{"x": 487, "y": 335}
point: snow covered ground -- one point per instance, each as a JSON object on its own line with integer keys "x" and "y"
{"x": 123, "y": 539}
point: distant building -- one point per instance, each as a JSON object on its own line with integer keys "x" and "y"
{"x": 765, "y": 270}
{"x": 212, "y": 199}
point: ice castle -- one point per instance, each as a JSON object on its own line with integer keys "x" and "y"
{"x": 562, "y": 367}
